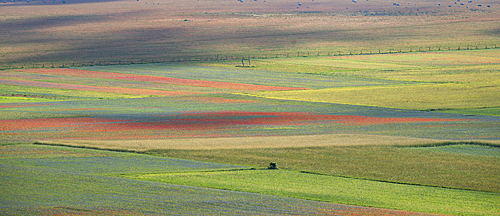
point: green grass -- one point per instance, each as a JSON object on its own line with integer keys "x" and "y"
{"x": 339, "y": 190}
{"x": 56, "y": 94}
{"x": 420, "y": 97}
{"x": 383, "y": 163}
{"x": 494, "y": 111}
{"x": 9, "y": 99}
{"x": 465, "y": 149}
{"x": 395, "y": 66}
{"x": 12, "y": 114}
{"x": 454, "y": 82}
{"x": 55, "y": 180}
{"x": 446, "y": 80}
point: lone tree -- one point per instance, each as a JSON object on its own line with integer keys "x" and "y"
{"x": 272, "y": 165}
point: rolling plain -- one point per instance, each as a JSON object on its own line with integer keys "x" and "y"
{"x": 178, "y": 107}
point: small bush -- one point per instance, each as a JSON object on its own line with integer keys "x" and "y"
{"x": 272, "y": 165}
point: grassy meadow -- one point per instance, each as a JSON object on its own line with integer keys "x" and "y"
{"x": 143, "y": 107}
{"x": 338, "y": 190}
{"x": 44, "y": 180}
{"x": 436, "y": 80}
{"x": 406, "y": 165}
{"x": 164, "y": 111}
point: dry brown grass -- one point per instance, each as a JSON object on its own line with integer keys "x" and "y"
{"x": 246, "y": 142}
{"x": 135, "y": 31}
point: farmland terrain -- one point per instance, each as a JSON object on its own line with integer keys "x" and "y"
{"x": 177, "y": 107}
{"x": 215, "y": 112}
{"x": 80, "y": 32}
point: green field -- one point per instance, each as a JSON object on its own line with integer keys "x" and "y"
{"x": 62, "y": 180}
{"x": 495, "y": 111}
{"x": 52, "y": 180}
{"x": 339, "y": 190}
{"x": 465, "y": 149}
{"x": 4, "y": 99}
{"x": 381, "y": 163}
{"x": 368, "y": 156}
{"x": 145, "y": 107}
{"x": 445, "y": 80}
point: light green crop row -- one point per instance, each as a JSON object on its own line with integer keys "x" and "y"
{"x": 41, "y": 94}
{"x": 382, "y": 163}
{"x": 421, "y": 97}
{"x": 466, "y": 79}
{"x": 340, "y": 190}
{"x": 13, "y": 99}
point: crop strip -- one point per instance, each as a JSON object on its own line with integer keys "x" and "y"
{"x": 156, "y": 79}
{"x": 92, "y": 88}
{"x": 336, "y": 189}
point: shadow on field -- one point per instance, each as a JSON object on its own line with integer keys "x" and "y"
{"x": 19, "y": 25}
{"x": 49, "y": 2}
{"x": 493, "y": 32}
{"x": 89, "y": 37}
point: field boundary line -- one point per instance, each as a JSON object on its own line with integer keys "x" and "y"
{"x": 392, "y": 182}
{"x": 85, "y": 147}
{"x": 238, "y": 57}
{"x": 302, "y": 172}
{"x": 489, "y": 143}
{"x": 190, "y": 172}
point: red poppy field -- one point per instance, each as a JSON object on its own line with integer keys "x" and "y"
{"x": 156, "y": 79}
{"x": 116, "y": 90}
{"x": 88, "y": 104}
{"x": 186, "y": 124}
